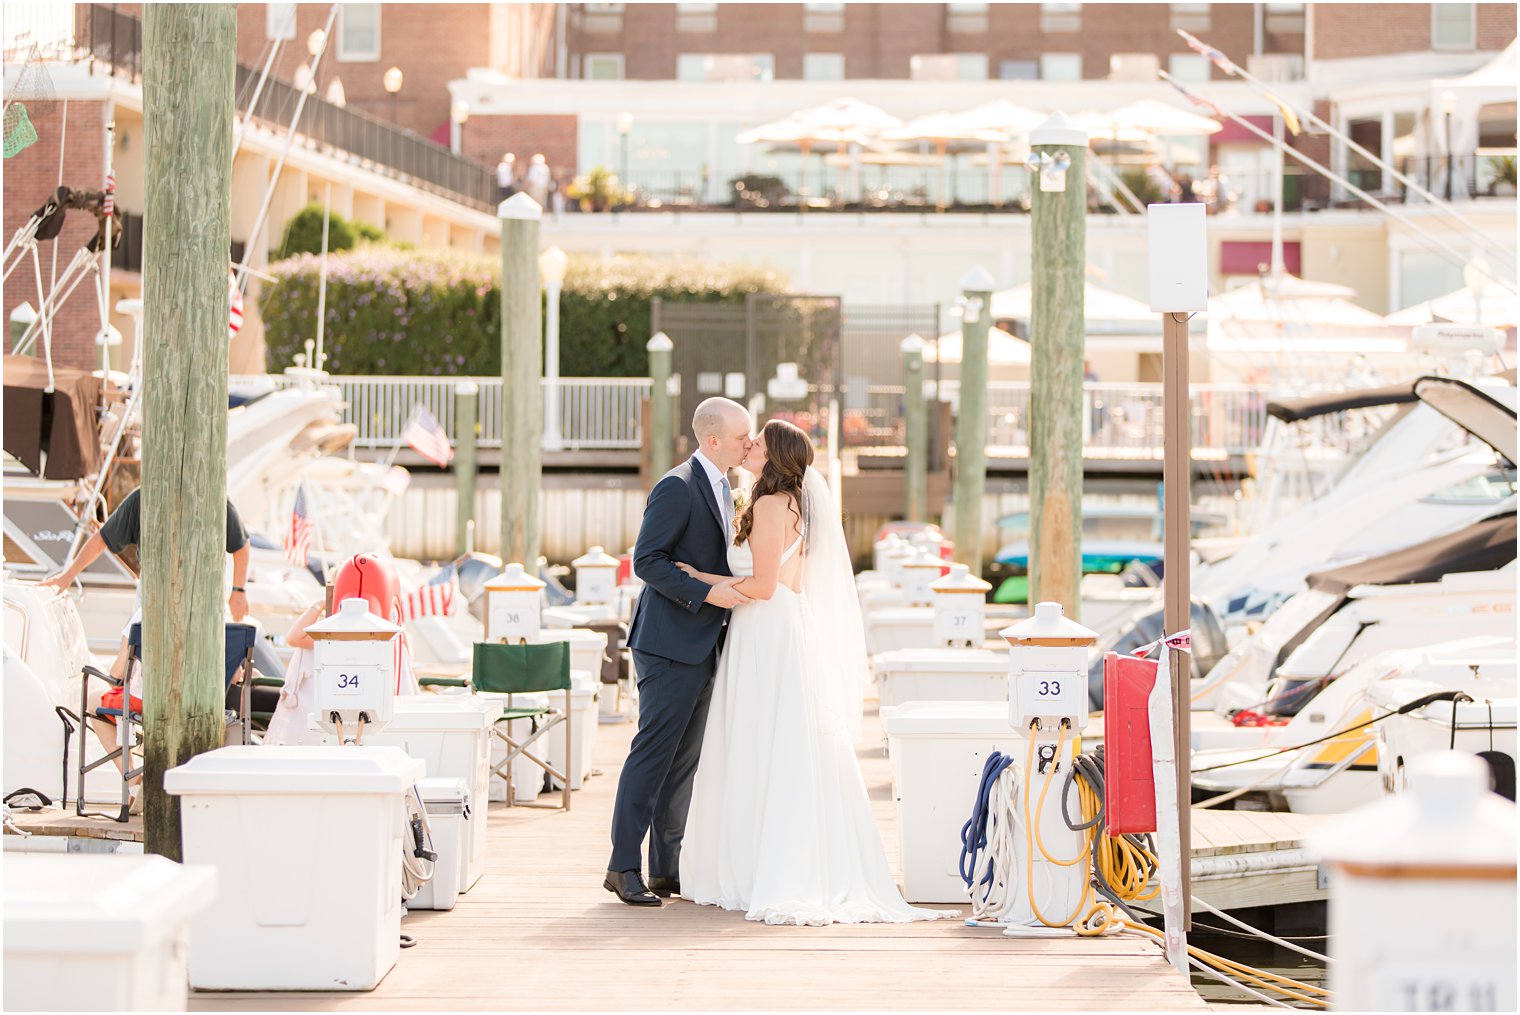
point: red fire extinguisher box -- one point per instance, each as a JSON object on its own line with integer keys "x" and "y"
{"x": 1129, "y": 787}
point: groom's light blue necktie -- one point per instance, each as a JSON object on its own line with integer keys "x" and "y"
{"x": 728, "y": 508}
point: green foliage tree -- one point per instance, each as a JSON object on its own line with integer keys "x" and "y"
{"x": 303, "y": 233}
{"x": 391, "y": 311}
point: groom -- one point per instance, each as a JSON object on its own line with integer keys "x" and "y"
{"x": 677, "y": 628}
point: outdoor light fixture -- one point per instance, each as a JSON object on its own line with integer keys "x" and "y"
{"x": 625, "y": 123}
{"x": 1051, "y": 169}
{"x": 551, "y": 267}
{"x": 392, "y": 81}
{"x": 459, "y": 112}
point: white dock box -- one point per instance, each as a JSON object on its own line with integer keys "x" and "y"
{"x": 575, "y": 616}
{"x": 938, "y": 749}
{"x": 306, "y": 842}
{"x": 451, "y": 735}
{"x": 447, "y": 802}
{"x": 940, "y": 674}
{"x": 584, "y": 722}
{"x": 97, "y": 932}
{"x": 899, "y": 627}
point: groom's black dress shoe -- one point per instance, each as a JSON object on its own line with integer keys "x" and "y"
{"x": 664, "y": 887}
{"x": 629, "y": 886}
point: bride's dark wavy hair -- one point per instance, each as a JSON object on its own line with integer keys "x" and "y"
{"x": 788, "y": 453}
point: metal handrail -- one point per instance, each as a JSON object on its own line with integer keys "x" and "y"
{"x": 114, "y": 40}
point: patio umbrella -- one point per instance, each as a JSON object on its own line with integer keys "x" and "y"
{"x": 841, "y": 124}
{"x": 1492, "y": 307}
{"x": 1106, "y": 311}
{"x": 950, "y": 135}
{"x": 1163, "y": 120}
{"x": 1011, "y": 120}
{"x": 1003, "y": 349}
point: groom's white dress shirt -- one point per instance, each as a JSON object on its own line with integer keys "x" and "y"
{"x": 721, "y": 491}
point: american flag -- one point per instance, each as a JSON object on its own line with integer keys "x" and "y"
{"x": 1214, "y": 56}
{"x": 234, "y": 306}
{"x": 396, "y": 481}
{"x": 426, "y": 436}
{"x": 108, "y": 206}
{"x": 429, "y": 601}
{"x": 298, "y": 539}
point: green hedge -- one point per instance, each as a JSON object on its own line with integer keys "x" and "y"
{"x": 303, "y": 234}
{"x": 393, "y": 311}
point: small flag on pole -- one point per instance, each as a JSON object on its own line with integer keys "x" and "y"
{"x": 427, "y": 438}
{"x": 1290, "y": 118}
{"x": 429, "y": 601}
{"x": 1214, "y": 56}
{"x": 396, "y": 481}
{"x": 234, "y": 306}
{"x": 298, "y": 539}
{"x": 108, "y": 206}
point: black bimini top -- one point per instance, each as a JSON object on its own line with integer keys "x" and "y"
{"x": 1486, "y": 545}
{"x": 1293, "y": 410}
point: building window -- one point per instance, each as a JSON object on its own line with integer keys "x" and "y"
{"x": 358, "y": 32}
{"x": 280, "y": 21}
{"x": 966, "y": 19}
{"x": 696, "y": 17}
{"x": 1188, "y": 67}
{"x": 603, "y": 67}
{"x": 823, "y": 17}
{"x": 1060, "y": 17}
{"x": 1453, "y": 26}
{"x": 602, "y": 17}
{"x": 1284, "y": 18}
{"x": 1019, "y": 70}
{"x": 725, "y": 66}
{"x": 948, "y": 67}
{"x": 1060, "y": 66}
{"x": 1190, "y": 17}
{"x": 823, "y": 67}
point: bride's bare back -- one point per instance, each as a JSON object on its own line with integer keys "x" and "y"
{"x": 777, "y": 525}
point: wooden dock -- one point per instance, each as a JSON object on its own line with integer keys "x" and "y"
{"x": 539, "y": 932}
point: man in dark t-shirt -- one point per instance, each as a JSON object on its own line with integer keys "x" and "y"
{"x": 124, "y": 528}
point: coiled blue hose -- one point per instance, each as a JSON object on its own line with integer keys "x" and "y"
{"x": 974, "y": 831}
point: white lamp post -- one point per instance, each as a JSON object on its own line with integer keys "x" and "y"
{"x": 551, "y": 267}
{"x": 393, "y": 81}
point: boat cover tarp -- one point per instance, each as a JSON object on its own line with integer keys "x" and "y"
{"x": 1484, "y": 546}
{"x": 60, "y": 425}
{"x": 1294, "y": 410}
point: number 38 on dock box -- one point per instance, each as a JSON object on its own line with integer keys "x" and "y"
{"x": 1047, "y": 670}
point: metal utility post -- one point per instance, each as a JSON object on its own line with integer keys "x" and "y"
{"x": 189, "y": 60}
{"x": 522, "y": 366}
{"x": 916, "y": 419}
{"x": 971, "y": 417}
{"x": 661, "y": 350}
{"x": 1178, "y": 254}
{"x": 466, "y": 401}
{"x": 1058, "y": 327}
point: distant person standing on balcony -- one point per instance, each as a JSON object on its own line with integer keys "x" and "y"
{"x": 536, "y": 182}
{"x": 506, "y": 177}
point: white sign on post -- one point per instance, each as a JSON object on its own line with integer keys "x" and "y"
{"x": 1177, "y": 246}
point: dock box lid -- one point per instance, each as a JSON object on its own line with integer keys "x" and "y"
{"x": 98, "y": 903}
{"x": 443, "y": 790}
{"x": 284, "y": 771}
{"x": 949, "y": 661}
{"x": 948, "y": 718}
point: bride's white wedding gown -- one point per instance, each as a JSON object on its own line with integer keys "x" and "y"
{"x": 780, "y": 825}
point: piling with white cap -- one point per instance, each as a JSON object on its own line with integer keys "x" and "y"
{"x": 919, "y": 572}
{"x": 1422, "y": 894}
{"x": 595, "y": 577}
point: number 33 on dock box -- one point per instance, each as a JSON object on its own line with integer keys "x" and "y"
{"x": 1047, "y": 670}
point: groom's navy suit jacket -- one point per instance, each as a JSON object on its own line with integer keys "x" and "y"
{"x": 682, "y": 522}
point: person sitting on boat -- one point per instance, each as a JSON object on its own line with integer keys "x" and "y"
{"x": 123, "y": 529}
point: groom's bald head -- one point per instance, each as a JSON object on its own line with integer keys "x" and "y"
{"x": 722, "y": 429}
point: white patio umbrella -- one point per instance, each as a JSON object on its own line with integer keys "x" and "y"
{"x": 841, "y": 124}
{"x": 1162, "y": 119}
{"x": 1003, "y": 349}
{"x": 1106, "y": 311}
{"x": 950, "y": 135}
{"x": 1009, "y": 119}
{"x": 1491, "y": 307}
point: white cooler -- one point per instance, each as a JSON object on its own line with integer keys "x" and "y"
{"x": 575, "y": 616}
{"x": 306, "y": 842}
{"x": 451, "y": 735}
{"x": 938, "y": 749}
{"x": 584, "y": 721}
{"x": 940, "y": 674}
{"x": 899, "y": 627}
{"x": 587, "y": 647}
{"x": 447, "y": 802}
{"x": 95, "y": 932}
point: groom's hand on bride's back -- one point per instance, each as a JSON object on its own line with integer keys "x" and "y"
{"x": 725, "y": 596}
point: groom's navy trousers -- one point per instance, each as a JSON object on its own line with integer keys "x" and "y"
{"x": 675, "y": 636}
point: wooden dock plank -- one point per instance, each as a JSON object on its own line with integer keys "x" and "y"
{"x": 539, "y": 932}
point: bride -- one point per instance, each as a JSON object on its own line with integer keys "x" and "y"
{"x": 780, "y": 825}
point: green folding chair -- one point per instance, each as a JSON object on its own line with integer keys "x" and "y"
{"x": 526, "y": 669}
